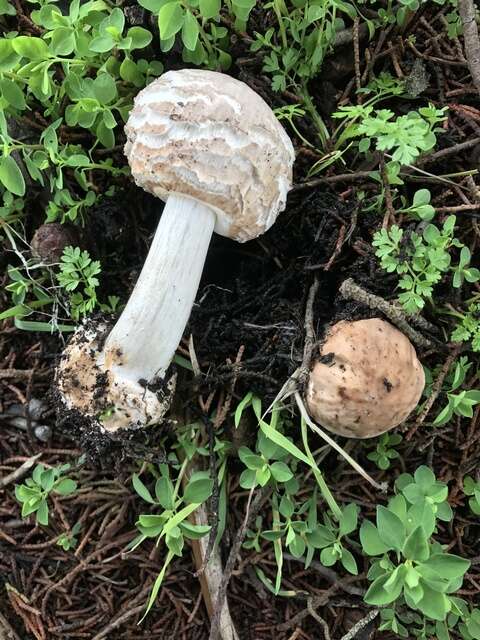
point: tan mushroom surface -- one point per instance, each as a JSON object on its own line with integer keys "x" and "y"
{"x": 207, "y": 136}
{"x": 366, "y": 381}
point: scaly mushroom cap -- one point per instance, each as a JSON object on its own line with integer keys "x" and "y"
{"x": 207, "y": 136}
{"x": 368, "y": 379}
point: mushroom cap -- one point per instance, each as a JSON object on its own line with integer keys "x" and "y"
{"x": 368, "y": 379}
{"x": 206, "y": 136}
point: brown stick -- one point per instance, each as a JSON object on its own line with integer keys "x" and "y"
{"x": 253, "y": 507}
{"x": 342, "y": 177}
{"x": 19, "y": 374}
{"x": 351, "y": 291}
{"x": 467, "y": 11}
{"x": 443, "y": 153}
{"x": 6, "y": 630}
{"x": 436, "y": 388}
{"x": 20, "y": 472}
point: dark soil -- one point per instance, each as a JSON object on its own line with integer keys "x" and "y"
{"x": 251, "y": 301}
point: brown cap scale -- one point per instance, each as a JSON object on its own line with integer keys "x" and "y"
{"x": 213, "y": 150}
{"x": 366, "y": 381}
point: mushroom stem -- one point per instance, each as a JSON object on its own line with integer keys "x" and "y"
{"x": 142, "y": 343}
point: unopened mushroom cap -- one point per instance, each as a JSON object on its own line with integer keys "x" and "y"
{"x": 367, "y": 380}
{"x": 207, "y": 136}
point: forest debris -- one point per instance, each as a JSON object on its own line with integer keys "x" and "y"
{"x": 251, "y": 511}
{"x": 6, "y": 630}
{"x": 211, "y": 578}
{"x": 467, "y": 11}
{"x": 361, "y": 624}
{"x": 351, "y": 291}
{"x": 436, "y": 388}
{"x": 418, "y": 79}
{"x": 20, "y": 472}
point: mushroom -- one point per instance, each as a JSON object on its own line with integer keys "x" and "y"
{"x": 366, "y": 381}
{"x": 213, "y": 150}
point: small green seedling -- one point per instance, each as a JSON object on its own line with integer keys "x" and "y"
{"x": 420, "y": 209}
{"x": 472, "y": 489}
{"x": 172, "y": 523}
{"x": 33, "y": 494}
{"x": 303, "y": 536}
{"x": 384, "y": 451}
{"x": 69, "y": 540}
{"x": 265, "y": 465}
{"x": 422, "y": 260}
{"x": 78, "y": 277}
{"x": 468, "y": 327}
{"x": 459, "y": 402}
{"x": 412, "y": 570}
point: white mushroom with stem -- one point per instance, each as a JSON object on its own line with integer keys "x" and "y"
{"x": 213, "y": 150}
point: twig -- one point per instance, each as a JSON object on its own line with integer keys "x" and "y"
{"x": 207, "y": 545}
{"x": 6, "y": 631}
{"x": 299, "y": 377}
{"x": 309, "y": 332}
{"x": 458, "y": 209}
{"x": 330, "y": 575}
{"x": 352, "y": 291}
{"x": 436, "y": 388}
{"x": 315, "y": 602}
{"x": 451, "y": 63}
{"x": 19, "y": 374}
{"x": 356, "y": 53}
{"x": 361, "y": 624}
{"x": 20, "y": 472}
{"x": 444, "y": 153}
{"x": 319, "y": 619}
{"x": 341, "y": 177}
{"x": 467, "y": 11}
{"x": 253, "y": 507}
{"x": 211, "y": 579}
{"x": 390, "y": 211}
{"x": 118, "y": 621}
{"x": 338, "y": 248}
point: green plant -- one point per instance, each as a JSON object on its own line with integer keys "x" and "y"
{"x": 384, "y": 451}
{"x": 472, "y": 489}
{"x": 306, "y": 32}
{"x": 78, "y": 271}
{"x": 411, "y": 569}
{"x": 68, "y": 540}
{"x": 6, "y": 9}
{"x": 33, "y": 494}
{"x": 265, "y": 465}
{"x": 303, "y": 536}
{"x": 404, "y": 137}
{"x": 422, "y": 260}
{"x": 468, "y": 327}
{"x": 171, "y": 524}
{"x": 294, "y": 52}
{"x": 295, "y": 524}
{"x": 35, "y": 280}
{"x": 197, "y": 23}
{"x": 462, "y": 402}
{"x": 420, "y": 209}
